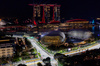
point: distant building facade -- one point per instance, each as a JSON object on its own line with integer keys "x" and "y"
{"x": 75, "y": 24}
{"x": 45, "y": 13}
{"x": 68, "y": 25}
{"x": 6, "y": 47}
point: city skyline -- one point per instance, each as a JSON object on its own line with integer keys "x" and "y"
{"x": 49, "y": 33}
{"x": 69, "y": 9}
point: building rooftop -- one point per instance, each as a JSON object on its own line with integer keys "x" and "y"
{"x": 75, "y": 20}
{"x": 6, "y": 42}
{"x": 54, "y": 22}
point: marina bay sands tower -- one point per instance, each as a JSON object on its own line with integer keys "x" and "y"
{"x": 46, "y": 13}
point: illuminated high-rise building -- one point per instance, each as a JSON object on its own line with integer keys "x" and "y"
{"x": 45, "y": 13}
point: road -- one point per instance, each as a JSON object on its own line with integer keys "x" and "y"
{"x": 44, "y": 54}
{"x": 95, "y": 46}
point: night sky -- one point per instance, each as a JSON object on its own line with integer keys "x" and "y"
{"x": 69, "y": 8}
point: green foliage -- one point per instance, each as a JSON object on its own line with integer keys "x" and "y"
{"x": 74, "y": 48}
{"x": 48, "y": 50}
{"x": 16, "y": 59}
{"x": 20, "y": 58}
{"x": 25, "y": 54}
{"x": 39, "y": 54}
{"x": 65, "y": 50}
{"x": 36, "y": 56}
{"x": 28, "y": 43}
{"x": 60, "y": 64}
{"x": 32, "y": 50}
{"x": 3, "y": 61}
{"x": 35, "y": 51}
{"x": 39, "y": 64}
{"x": 26, "y": 58}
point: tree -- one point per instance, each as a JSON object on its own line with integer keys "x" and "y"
{"x": 15, "y": 59}
{"x": 47, "y": 61}
{"x": 58, "y": 55}
{"x": 22, "y": 65}
{"x": 28, "y": 43}
{"x": 25, "y": 54}
{"x": 60, "y": 64}
{"x": 39, "y": 54}
{"x": 39, "y": 64}
{"x": 32, "y": 50}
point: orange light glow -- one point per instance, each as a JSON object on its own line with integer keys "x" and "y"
{"x": 0, "y": 19}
